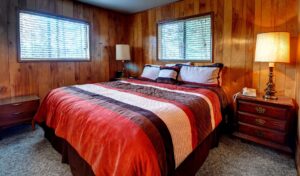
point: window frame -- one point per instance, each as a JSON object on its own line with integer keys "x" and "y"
{"x": 47, "y": 14}
{"x": 211, "y": 14}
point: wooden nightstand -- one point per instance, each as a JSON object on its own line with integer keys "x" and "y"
{"x": 117, "y": 79}
{"x": 268, "y": 122}
{"x": 18, "y": 110}
{"x": 122, "y": 78}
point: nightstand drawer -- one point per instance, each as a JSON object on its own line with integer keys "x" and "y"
{"x": 262, "y": 121}
{"x": 262, "y": 133}
{"x": 18, "y": 108}
{"x": 263, "y": 110}
{"x": 15, "y": 118}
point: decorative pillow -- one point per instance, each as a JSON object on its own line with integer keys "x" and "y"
{"x": 203, "y": 75}
{"x": 150, "y": 72}
{"x": 168, "y": 75}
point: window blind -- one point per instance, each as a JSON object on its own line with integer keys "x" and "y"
{"x": 189, "y": 39}
{"x": 46, "y": 37}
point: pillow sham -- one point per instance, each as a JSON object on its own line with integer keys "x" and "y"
{"x": 203, "y": 75}
{"x": 168, "y": 75}
{"x": 150, "y": 72}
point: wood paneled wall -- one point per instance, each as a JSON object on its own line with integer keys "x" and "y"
{"x": 277, "y": 15}
{"x": 298, "y": 92}
{"x": 38, "y": 78}
{"x": 236, "y": 24}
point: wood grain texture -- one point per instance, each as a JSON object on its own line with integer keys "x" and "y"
{"x": 277, "y": 15}
{"x": 236, "y": 25}
{"x": 14, "y": 111}
{"x": 298, "y": 90}
{"x": 107, "y": 29}
{"x": 269, "y": 123}
{"x": 5, "y": 86}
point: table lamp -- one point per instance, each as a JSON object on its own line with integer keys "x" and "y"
{"x": 272, "y": 47}
{"x": 123, "y": 54}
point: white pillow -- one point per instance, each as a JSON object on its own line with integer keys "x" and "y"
{"x": 150, "y": 72}
{"x": 199, "y": 75}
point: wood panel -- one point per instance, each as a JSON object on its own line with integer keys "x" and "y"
{"x": 4, "y": 61}
{"x": 298, "y": 92}
{"x": 236, "y": 25}
{"x": 277, "y": 15}
{"x": 107, "y": 29}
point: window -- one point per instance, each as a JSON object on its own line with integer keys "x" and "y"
{"x": 52, "y": 38}
{"x": 186, "y": 39}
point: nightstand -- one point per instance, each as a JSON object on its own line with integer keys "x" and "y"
{"x": 122, "y": 78}
{"x": 271, "y": 123}
{"x": 18, "y": 110}
{"x": 117, "y": 79}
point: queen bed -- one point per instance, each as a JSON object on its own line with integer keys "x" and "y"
{"x": 132, "y": 127}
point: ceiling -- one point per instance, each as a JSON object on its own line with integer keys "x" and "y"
{"x": 127, "y": 6}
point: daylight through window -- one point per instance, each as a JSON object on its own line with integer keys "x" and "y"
{"x": 188, "y": 39}
{"x": 47, "y": 37}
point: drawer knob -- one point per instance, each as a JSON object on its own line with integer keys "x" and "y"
{"x": 260, "y": 110}
{"x": 260, "y": 121}
{"x": 259, "y": 134}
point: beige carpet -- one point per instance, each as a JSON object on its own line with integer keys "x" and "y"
{"x": 235, "y": 158}
{"x": 27, "y": 153}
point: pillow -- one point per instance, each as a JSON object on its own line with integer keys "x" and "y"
{"x": 180, "y": 64}
{"x": 168, "y": 75}
{"x": 203, "y": 75}
{"x": 150, "y": 72}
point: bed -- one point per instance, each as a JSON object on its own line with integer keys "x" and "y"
{"x": 132, "y": 127}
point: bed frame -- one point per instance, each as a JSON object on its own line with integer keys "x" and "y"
{"x": 80, "y": 167}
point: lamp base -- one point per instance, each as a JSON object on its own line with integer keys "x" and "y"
{"x": 125, "y": 73}
{"x": 270, "y": 90}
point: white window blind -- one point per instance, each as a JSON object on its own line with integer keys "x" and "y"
{"x": 189, "y": 39}
{"x": 47, "y": 37}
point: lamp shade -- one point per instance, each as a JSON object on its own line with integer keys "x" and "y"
{"x": 122, "y": 52}
{"x": 273, "y": 47}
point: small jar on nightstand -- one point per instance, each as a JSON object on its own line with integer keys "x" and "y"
{"x": 271, "y": 123}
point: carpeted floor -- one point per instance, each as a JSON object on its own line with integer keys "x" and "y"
{"x": 28, "y": 153}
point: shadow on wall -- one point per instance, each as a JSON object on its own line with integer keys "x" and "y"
{"x": 235, "y": 84}
{"x": 137, "y": 62}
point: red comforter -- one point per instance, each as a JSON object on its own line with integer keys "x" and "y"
{"x": 131, "y": 127}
